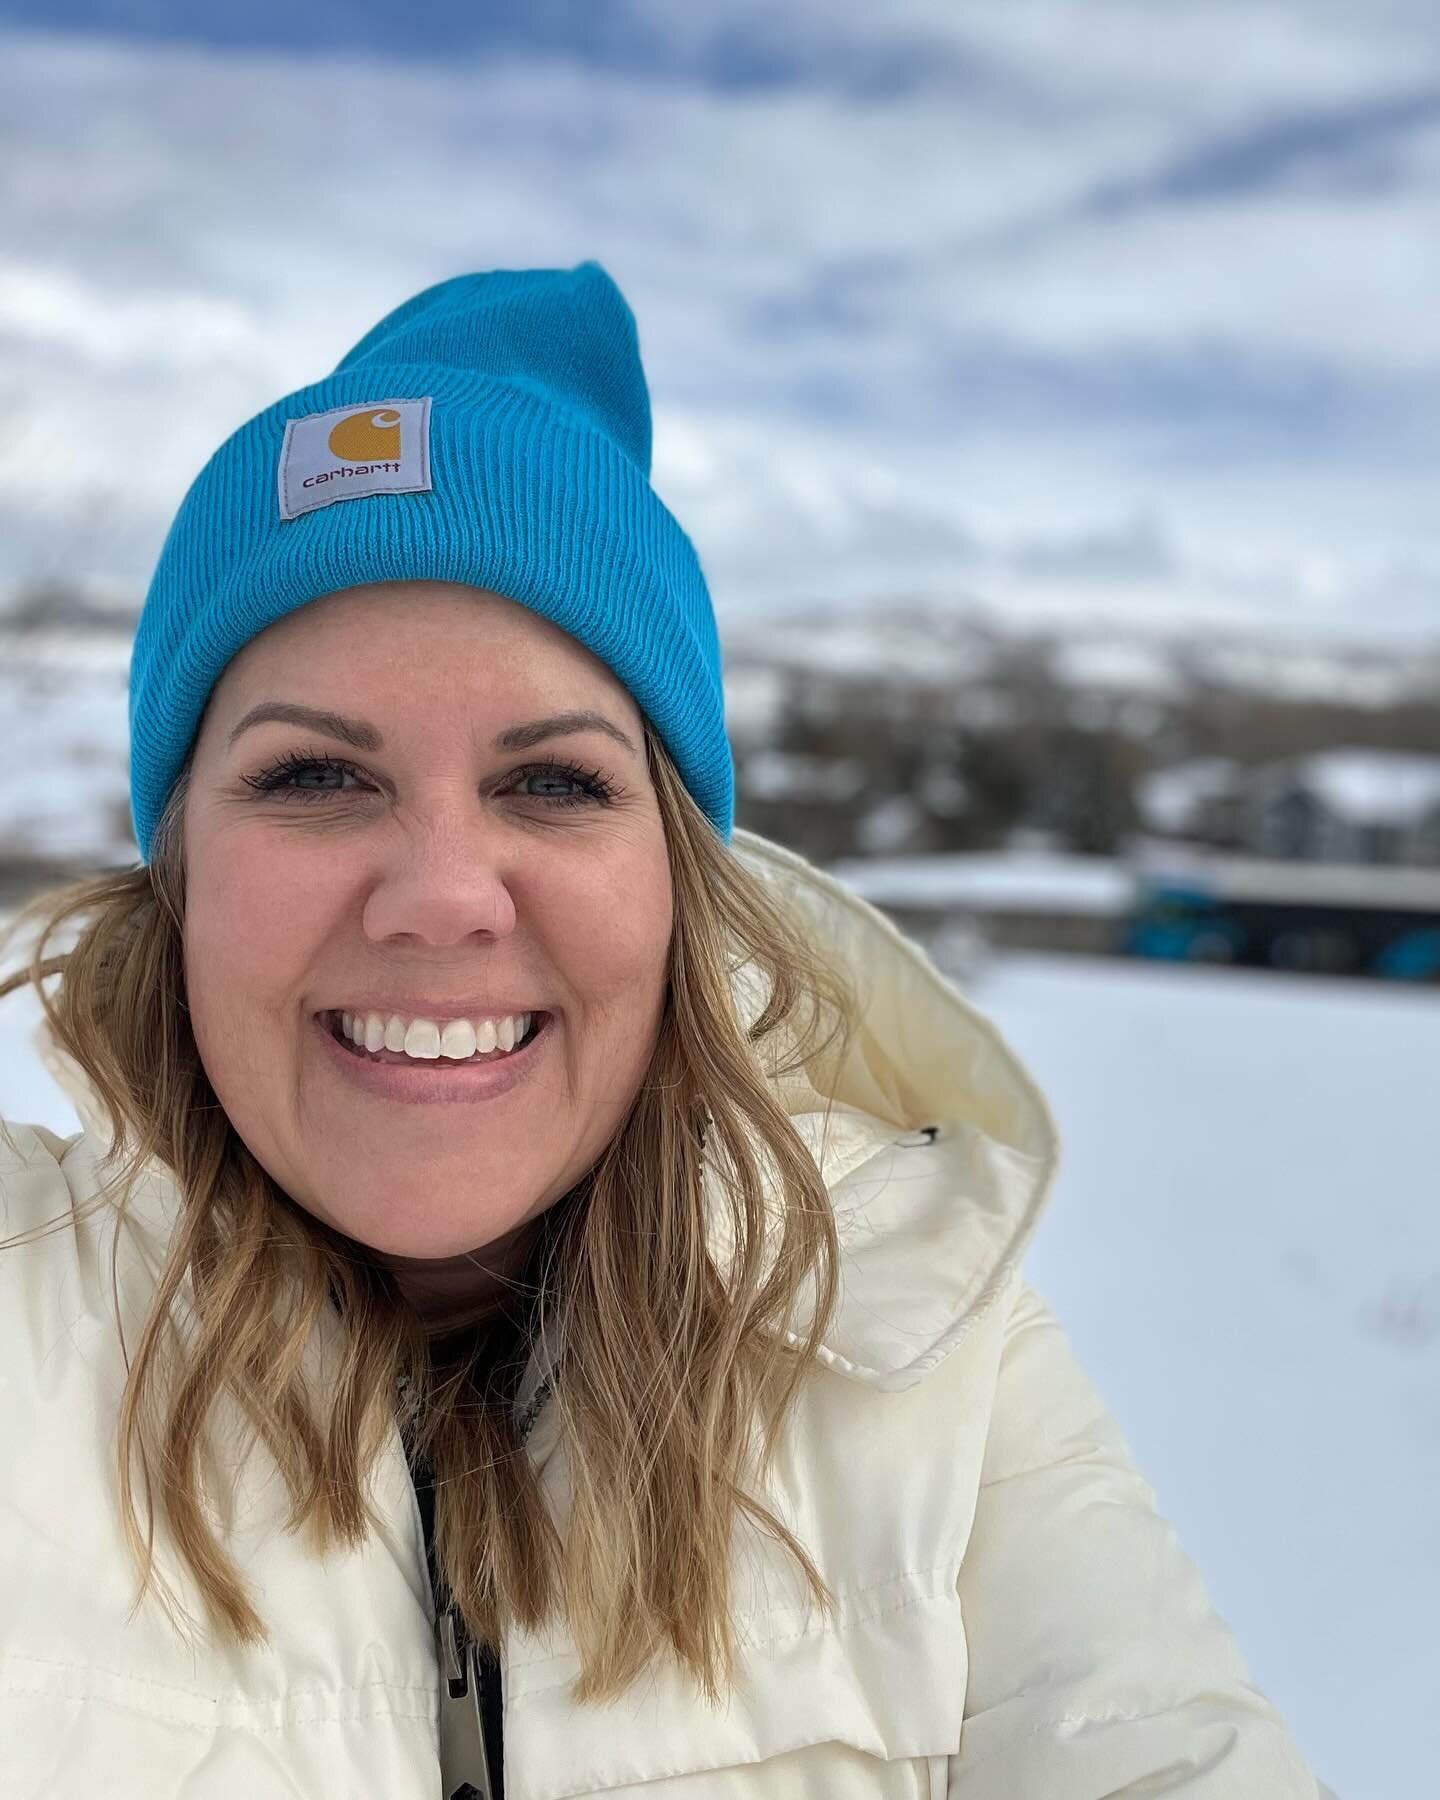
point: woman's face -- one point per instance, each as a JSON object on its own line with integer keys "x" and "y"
{"x": 392, "y": 857}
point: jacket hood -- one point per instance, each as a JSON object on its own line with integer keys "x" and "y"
{"x": 939, "y": 1154}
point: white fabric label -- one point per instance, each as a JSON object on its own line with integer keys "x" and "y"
{"x": 382, "y": 448}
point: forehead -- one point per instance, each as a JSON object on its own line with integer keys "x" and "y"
{"x": 419, "y": 642}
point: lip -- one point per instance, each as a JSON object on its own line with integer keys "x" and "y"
{"x": 439, "y": 1082}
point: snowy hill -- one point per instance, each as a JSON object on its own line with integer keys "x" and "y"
{"x": 933, "y": 645}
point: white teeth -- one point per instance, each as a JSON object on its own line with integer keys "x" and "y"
{"x": 422, "y": 1039}
{"x": 458, "y": 1039}
{"x": 425, "y": 1039}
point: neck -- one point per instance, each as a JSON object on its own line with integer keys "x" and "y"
{"x": 447, "y": 1292}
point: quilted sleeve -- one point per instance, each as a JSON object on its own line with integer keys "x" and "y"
{"x": 1097, "y": 1665}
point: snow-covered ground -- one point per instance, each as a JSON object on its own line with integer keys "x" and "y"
{"x": 1244, "y": 1246}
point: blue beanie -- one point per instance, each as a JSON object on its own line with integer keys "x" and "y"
{"x": 496, "y": 428}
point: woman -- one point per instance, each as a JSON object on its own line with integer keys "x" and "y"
{"x": 536, "y": 1304}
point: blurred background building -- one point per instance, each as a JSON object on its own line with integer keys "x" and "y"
{"x": 1049, "y": 390}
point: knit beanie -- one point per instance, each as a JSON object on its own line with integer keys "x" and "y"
{"x": 492, "y": 430}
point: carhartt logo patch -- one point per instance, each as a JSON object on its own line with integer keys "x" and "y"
{"x": 350, "y": 451}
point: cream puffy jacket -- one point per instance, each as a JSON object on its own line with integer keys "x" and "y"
{"x": 1015, "y": 1621}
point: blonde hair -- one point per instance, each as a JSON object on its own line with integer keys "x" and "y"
{"x": 668, "y": 1363}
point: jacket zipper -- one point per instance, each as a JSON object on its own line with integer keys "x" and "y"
{"x": 470, "y": 1714}
{"x": 471, "y": 1719}
{"x": 487, "y": 1683}
{"x": 472, "y": 1749}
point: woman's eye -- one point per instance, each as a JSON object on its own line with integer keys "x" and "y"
{"x": 549, "y": 775}
{"x": 318, "y": 777}
{"x": 303, "y": 778}
{"x": 311, "y": 778}
{"x": 593, "y": 788}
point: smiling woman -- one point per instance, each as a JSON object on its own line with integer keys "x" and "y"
{"x": 532, "y": 1246}
{"x": 440, "y": 885}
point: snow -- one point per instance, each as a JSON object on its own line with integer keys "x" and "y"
{"x": 1244, "y": 1248}
{"x": 792, "y": 775}
{"x": 958, "y": 643}
{"x": 1357, "y": 786}
{"x": 1116, "y": 665}
{"x": 993, "y": 881}
{"x": 64, "y": 777}
{"x": 1167, "y": 798}
{"x": 1364, "y": 787}
{"x": 889, "y": 824}
{"x": 754, "y": 703}
{"x": 1288, "y": 880}
{"x": 947, "y": 647}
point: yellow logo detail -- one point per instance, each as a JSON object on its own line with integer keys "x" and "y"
{"x": 367, "y": 436}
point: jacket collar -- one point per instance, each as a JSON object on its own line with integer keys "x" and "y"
{"x": 939, "y": 1155}
{"x": 941, "y": 1151}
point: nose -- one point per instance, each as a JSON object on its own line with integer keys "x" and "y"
{"x": 441, "y": 884}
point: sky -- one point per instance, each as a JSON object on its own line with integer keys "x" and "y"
{"x": 1064, "y": 310}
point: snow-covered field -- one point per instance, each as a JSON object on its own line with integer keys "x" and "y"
{"x": 1244, "y": 1246}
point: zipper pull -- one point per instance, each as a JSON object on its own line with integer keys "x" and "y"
{"x": 464, "y": 1771}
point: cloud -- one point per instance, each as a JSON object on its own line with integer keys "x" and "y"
{"x": 938, "y": 293}
{"x": 1350, "y": 146}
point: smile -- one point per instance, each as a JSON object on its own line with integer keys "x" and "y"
{"x": 431, "y": 1080}
{"x": 398, "y": 1040}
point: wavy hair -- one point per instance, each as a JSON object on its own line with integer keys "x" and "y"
{"x": 673, "y": 1367}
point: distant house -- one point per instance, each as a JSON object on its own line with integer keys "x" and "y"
{"x": 1375, "y": 806}
{"x": 1345, "y": 805}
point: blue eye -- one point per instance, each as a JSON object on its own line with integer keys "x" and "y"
{"x": 284, "y": 778}
{"x": 592, "y": 784}
{"x": 293, "y": 777}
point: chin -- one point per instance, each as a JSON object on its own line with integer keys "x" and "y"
{"x": 382, "y": 1229}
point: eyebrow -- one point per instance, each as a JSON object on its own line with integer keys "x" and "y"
{"x": 363, "y": 736}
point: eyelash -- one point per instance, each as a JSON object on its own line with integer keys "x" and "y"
{"x": 272, "y": 780}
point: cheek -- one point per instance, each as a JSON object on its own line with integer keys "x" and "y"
{"x": 245, "y": 937}
{"x": 619, "y": 949}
